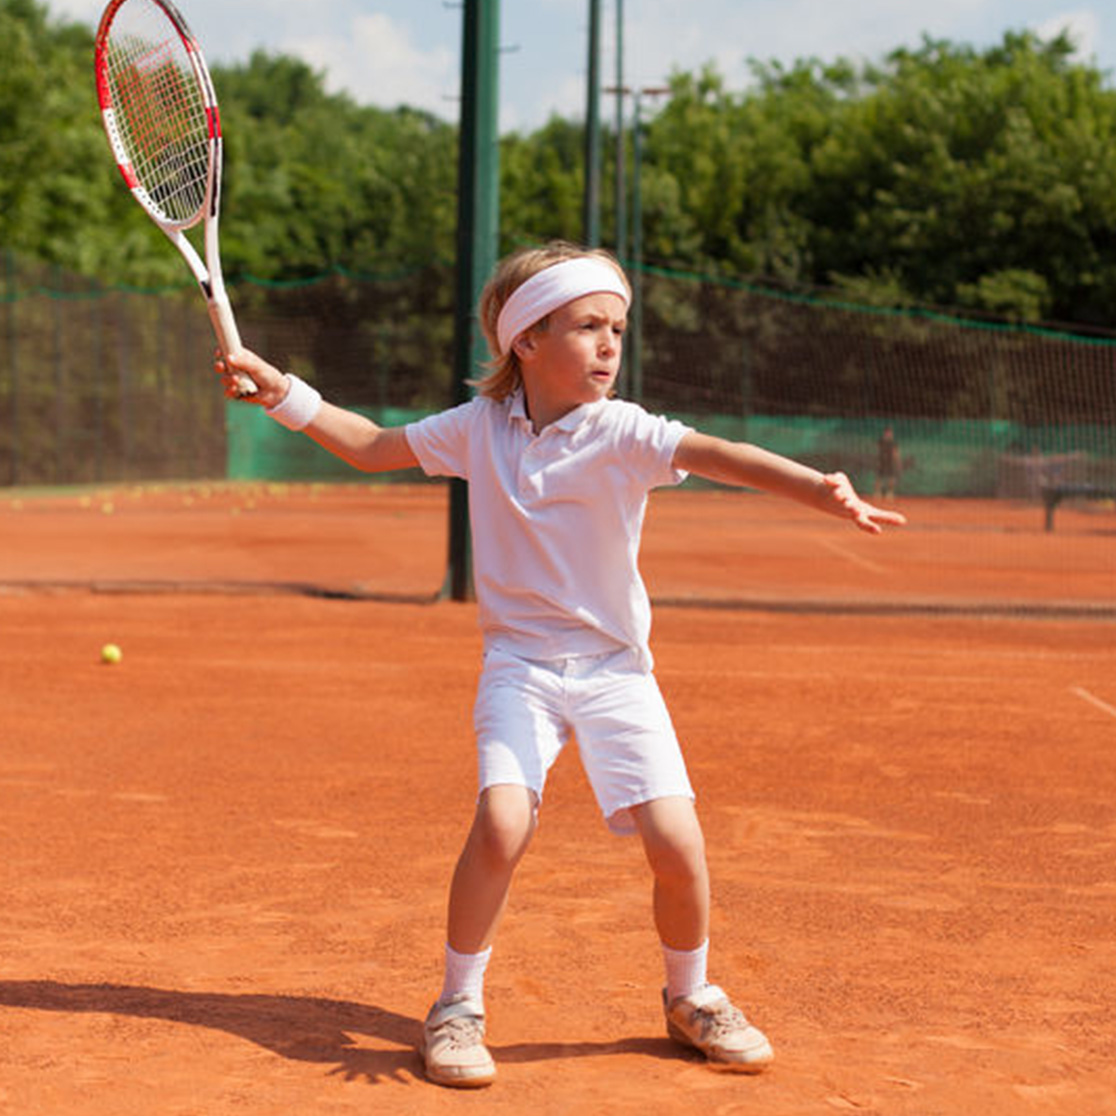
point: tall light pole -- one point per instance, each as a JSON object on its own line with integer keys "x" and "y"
{"x": 621, "y": 187}
{"x": 591, "y": 216}
{"x": 621, "y": 249}
{"x": 478, "y": 219}
{"x": 635, "y": 363}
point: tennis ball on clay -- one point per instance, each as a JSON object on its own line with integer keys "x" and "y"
{"x": 111, "y": 654}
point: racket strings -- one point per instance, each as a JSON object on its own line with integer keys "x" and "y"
{"x": 159, "y": 109}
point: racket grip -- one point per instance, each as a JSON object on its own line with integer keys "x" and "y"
{"x": 228, "y": 340}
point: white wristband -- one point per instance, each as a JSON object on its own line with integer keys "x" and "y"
{"x": 299, "y": 406}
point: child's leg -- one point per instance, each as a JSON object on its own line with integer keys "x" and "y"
{"x": 502, "y": 829}
{"x": 698, "y": 1014}
{"x": 453, "y": 1036}
{"x": 675, "y": 848}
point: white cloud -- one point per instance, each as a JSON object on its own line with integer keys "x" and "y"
{"x": 566, "y": 98}
{"x": 1083, "y": 27}
{"x": 387, "y": 52}
{"x": 377, "y": 62}
{"x": 669, "y": 35}
{"x": 80, "y": 11}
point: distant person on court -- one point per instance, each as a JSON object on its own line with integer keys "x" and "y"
{"x": 887, "y": 464}
{"x": 559, "y": 473}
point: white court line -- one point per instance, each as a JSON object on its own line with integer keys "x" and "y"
{"x": 852, "y": 556}
{"x": 942, "y": 652}
{"x": 1092, "y": 699}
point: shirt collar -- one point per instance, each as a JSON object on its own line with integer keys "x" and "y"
{"x": 567, "y": 423}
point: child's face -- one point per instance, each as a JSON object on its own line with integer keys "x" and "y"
{"x": 576, "y": 359}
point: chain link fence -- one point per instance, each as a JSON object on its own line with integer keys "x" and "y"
{"x": 104, "y": 384}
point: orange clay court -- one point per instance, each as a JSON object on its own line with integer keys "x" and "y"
{"x": 225, "y": 859}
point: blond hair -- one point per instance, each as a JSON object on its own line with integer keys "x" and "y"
{"x": 504, "y": 374}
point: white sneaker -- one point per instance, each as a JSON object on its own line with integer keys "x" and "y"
{"x": 453, "y": 1045}
{"x": 709, "y": 1022}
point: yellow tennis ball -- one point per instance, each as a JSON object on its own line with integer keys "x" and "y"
{"x": 110, "y": 653}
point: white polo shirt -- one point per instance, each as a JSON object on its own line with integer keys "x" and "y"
{"x": 556, "y": 518}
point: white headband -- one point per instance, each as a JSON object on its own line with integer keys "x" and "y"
{"x": 552, "y": 287}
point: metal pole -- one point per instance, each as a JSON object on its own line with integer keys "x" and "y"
{"x": 15, "y": 470}
{"x": 591, "y": 217}
{"x": 621, "y": 153}
{"x": 636, "y": 270}
{"x": 60, "y": 438}
{"x": 620, "y": 92}
{"x": 478, "y": 217}
{"x": 636, "y": 363}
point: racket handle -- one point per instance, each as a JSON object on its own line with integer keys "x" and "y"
{"x": 228, "y": 339}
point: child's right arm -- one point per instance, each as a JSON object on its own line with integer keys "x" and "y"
{"x": 347, "y": 435}
{"x": 739, "y": 463}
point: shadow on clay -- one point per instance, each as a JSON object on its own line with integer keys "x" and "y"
{"x": 301, "y": 1028}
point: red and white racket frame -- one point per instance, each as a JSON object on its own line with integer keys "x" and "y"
{"x": 208, "y": 273}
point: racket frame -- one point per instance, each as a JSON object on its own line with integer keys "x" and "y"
{"x": 208, "y": 274}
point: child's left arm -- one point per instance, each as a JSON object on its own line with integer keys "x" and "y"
{"x": 747, "y": 465}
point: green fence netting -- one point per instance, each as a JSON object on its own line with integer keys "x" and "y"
{"x": 101, "y": 384}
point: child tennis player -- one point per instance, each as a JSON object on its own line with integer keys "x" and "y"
{"x": 559, "y": 473}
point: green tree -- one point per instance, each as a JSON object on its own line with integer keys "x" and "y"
{"x": 941, "y": 175}
{"x": 60, "y": 199}
{"x": 929, "y": 178}
{"x": 315, "y": 181}
{"x": 542, "y": 180}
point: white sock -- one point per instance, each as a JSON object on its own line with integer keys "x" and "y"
{"x": 685, "y": 970}
{"x": 464, "y": 974}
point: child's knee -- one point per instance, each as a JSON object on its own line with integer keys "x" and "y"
{"x": 673, "y": 841}
{"x": 680, "y": 859}
{"x": 504, "y": 825}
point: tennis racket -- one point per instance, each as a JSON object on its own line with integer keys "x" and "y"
{"x": 160, "y": 113}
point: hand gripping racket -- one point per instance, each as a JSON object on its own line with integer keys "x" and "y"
{"x": 160, "y": 114}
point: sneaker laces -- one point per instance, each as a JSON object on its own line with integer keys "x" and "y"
{"x": 719, "y": 1019}
{"x": 462, "y": 1032}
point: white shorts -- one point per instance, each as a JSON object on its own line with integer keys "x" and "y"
{"x": 526, "y": 711}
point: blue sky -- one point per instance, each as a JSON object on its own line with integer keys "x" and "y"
{"x": 387, "y": 52}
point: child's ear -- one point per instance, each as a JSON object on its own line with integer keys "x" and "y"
{"x": 524, "y": 345}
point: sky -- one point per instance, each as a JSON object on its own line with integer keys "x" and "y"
{"x": 390, "y": 52}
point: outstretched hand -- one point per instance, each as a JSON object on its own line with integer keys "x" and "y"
{"x": 272, "y": 384}
{"x": 844, "y": 501}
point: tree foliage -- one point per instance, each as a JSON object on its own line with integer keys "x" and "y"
{"x": 945, "y": 175}
{"x": 54, "y": 203}
{"x": 942, "y": 175}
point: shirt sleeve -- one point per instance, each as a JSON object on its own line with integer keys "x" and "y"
{"x": 441, "y": 441}
{"x": 648, "y": 442}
